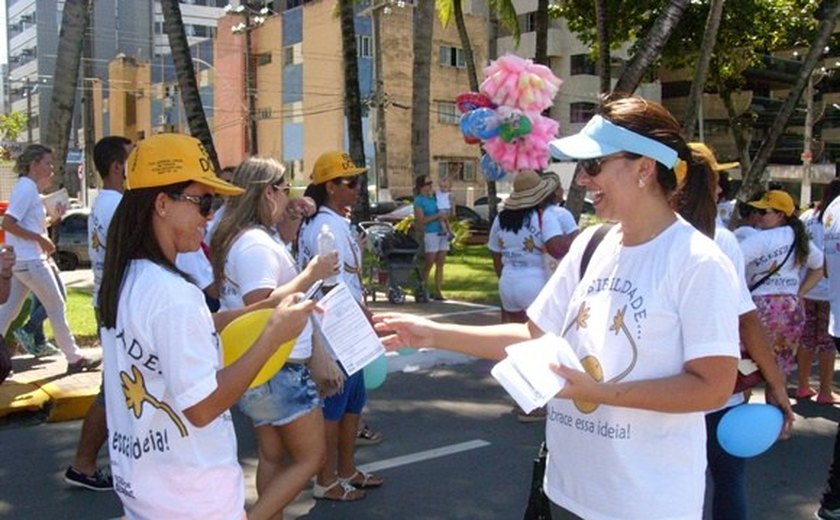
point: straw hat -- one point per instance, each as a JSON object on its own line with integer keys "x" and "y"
{"x": 530, "y": 188}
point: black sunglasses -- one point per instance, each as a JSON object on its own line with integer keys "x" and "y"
{"x": 204, "y": 202}
{"x": 350, "y": 183}
{"x": 593, "y": 166}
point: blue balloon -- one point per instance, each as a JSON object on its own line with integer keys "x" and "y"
{"x": 407, "y": 351}
{"x": 484, "y": 123}
{"x": 375, "y": 372}
{"x": 491, "y": 170}
{"x": 749, "y": 429}
{"x": 466, "y": 124}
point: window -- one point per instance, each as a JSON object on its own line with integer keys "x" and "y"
{"x": 263, "y": 58}
{"x": 452, "y": 57}
{"x": 529, "y": 22}
{"x": 291, "y": 55}
{"x": 263, "y": 113}
{"x": 130, "y": 108}
{"x": 581, "y": 112}
{"x": 448, "y": 113}
{"x": 582, "y": 64}
{"x": 364, "y": 46}
{"x": 457, "y": 170}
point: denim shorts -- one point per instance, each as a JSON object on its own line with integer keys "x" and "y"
{"x": 290, "y": 394}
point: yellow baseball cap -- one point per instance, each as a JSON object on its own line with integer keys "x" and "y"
{"x": 777, "y": 200}
{"x": 710, "y": 158}
{"x": 334, "y": 165}
{"x": 165, "y": 159}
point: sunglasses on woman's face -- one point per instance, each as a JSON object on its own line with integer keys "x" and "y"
{"x": 592, "y": 167}
{"x": 350, "y": 183}
{"x": 204, "y": 202}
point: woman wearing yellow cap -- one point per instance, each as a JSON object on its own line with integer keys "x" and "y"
{"x": 170, "y": 434}
{"x": 774, "y": 257}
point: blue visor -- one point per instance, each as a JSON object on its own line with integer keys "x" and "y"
{"x": 600, "y": 138}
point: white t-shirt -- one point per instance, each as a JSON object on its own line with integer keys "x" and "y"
{"x": 815, "y": 231}
{"x": 724, "y": 211}
{"x": 258, "y": 260}
{"x": 743, "y": 232}
{"x": 347, "y": 245}
{"x": 639, "y": 313}
{"x": 444, "y": 200}
{"x": 197, "y": 265}
{"x": 558, "y": 217}
{"x": 522, "y": 251}
{"x": 98, "y": 223}
{"x": 26, "y": 207}
{"x": 160, "y": 360}
{"x": 764, "y": 250}
{"x": 831, "y": 236}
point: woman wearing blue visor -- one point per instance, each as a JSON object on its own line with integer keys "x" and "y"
{"x": 651, "y": 318}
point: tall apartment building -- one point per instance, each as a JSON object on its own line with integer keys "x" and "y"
{"x": 129, "y": 28}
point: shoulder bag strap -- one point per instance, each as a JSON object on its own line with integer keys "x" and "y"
{"x": 766, "y": 277}
{"x": 592, "y": 245}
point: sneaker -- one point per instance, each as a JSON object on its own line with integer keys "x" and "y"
{"x": 99, "y": 481}
{"x": 368, "y": 437}
{"x": 827, "y": 514}
{"x": 26, "y": 341}
{"x": 534, "y": 416}
{"x": 46, "y": 349}
{"x": 84, "y": 364}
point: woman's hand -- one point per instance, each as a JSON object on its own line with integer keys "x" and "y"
{"x": 289, "y": 318}
{"x": 406, "y": 330}
{"x": 7, "y": 261}
{"x": 46, "y": 244}
{"x": 323, "y": 266}
{"x": 300, "y": 207}
{"x": 777, "y": 396}
{"x": 579, "y": 385}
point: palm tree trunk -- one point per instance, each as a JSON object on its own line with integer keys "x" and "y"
{"x": 74, "y": 24}
{"x": 702, "y": 70}
{"x": 353, "y": 102}
{"x": 469, "y": 56}
{"x": 742, "y": 141}
{"x": 424, "y": 17}
{"x": 173, "y": 24}
{"x": 651, "y": 47}
{"x": 601, "y": 23}
{"x": 758, "y": 173}
{"x": 541, "y": 33}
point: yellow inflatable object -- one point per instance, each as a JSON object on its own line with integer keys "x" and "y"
{"x": 243, "y": 332}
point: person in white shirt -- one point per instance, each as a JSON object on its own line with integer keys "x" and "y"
{"x": 109, "y": 156}
{"x": 652, "y": 320}
{"x": 170, "y": 433}
{"x": 334, "y": 188}
{"x": 774, "y": 258}
{"x": 25, "y": 224}
{"x": 815, "y": 336}
{"x": 250, "y": 262}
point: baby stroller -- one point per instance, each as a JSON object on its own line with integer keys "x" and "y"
{"x": 393, "y": 266}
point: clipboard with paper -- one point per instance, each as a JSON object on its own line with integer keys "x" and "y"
{"x": 525, "y": 372}
{"x": 348, "y": 333}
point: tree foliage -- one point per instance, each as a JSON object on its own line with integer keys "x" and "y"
{"x": 11, "y": 125}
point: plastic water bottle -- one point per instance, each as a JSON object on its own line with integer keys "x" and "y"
{"x": 326, "y": 245}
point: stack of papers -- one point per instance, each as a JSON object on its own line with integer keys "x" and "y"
{"x": 525, "y": 373}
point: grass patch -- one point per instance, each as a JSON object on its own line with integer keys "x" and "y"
{"x": 468, "y": 275}
{"x": 79, "y": 316}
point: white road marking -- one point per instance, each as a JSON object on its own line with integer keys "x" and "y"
{"x": 482, "y": 310}
{"x": 423, "y": 455}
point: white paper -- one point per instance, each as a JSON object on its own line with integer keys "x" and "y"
{"x": 525, "y": 372}
{"x": 56, "y": 203}
{"x": 348, "y": 333}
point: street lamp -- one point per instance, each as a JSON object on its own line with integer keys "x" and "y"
{"x": 252, "y": 18}
{"x": 379, "y": 99}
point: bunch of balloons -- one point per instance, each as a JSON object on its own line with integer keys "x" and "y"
{"x": 506, "y": 115}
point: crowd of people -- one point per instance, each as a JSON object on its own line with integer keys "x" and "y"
{"x": 661, "y": 304}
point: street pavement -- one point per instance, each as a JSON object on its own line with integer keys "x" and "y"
{"x": 452, "y": 450}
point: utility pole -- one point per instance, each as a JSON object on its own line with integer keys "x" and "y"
{"x": 381, "y": 156}
{"x": 807, "y": 154}
{"x": 247, "y": 9}
{"x": 27, "y": 88}
{"x": 88, "y": 112}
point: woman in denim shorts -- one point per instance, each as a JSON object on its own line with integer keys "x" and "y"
{"x": 250, "y": 262}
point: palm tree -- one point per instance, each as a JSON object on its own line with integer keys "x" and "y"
{"x": 541, "y": 33}
{"x": 173, "y": 24}
{"x": 74, "y": 24}
{"x": 424, "y": 17}
{"x": 603, "y": 29}
{"x": 757, "y": 172}
{"x": 353, "y": 101}
{"x": 702, "y": 71}
{"x": 651, "y": 47}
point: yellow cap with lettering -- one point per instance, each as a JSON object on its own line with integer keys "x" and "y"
{"x": 165, "y": 159}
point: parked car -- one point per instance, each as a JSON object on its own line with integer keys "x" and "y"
{"x": 483, "y": 209}
{"x": 71, "y": 240}
{"x": 479, "y": 227}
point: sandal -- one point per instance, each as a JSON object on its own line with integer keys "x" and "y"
{"x": 362, "y": 480}
{"x": 821, "y": 399}
{"x": 805, "y": 393}
{"x": 367, "y": 437}
{"x": 349, "y": 493}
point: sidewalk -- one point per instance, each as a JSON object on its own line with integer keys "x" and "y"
{"x": 40, "y": 388}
